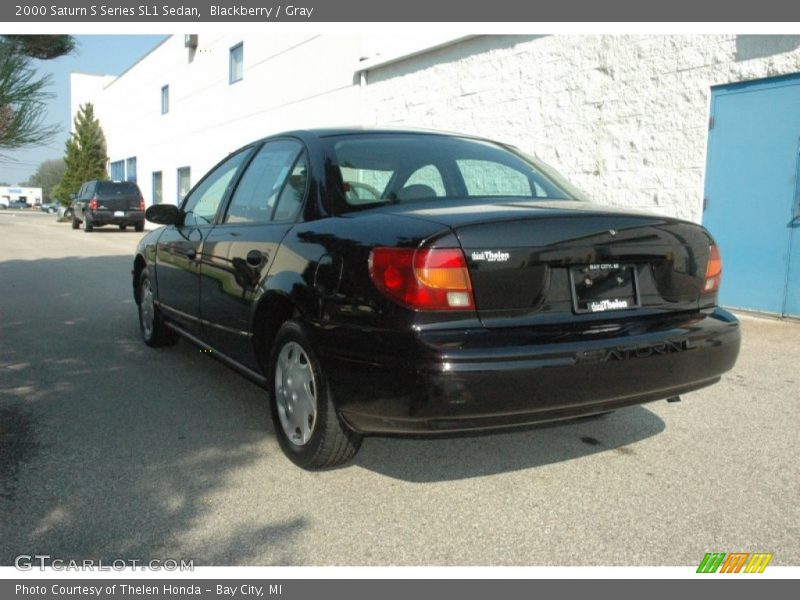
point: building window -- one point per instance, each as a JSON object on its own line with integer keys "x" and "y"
{"x": 117, "y": 170}
{"x": 130, "y": 169}
{"x": 165, "y": 100}
{"x": 236, "y": 63}
{"x": 158, "y": 196}
{"x": 184, "y": 182}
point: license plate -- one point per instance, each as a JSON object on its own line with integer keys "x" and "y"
{"x": 119, "y": 213}
{"x": 604, "y": 287}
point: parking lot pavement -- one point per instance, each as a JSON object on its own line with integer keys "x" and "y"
{"x": 111, "y": 450}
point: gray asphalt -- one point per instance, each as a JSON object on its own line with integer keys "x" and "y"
{"x": 109, "y": 449}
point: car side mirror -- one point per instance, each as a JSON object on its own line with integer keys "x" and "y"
{"x": 163, "y": 214}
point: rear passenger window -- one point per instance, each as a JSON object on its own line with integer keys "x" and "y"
{"x": 273, "y": 186}
{"x": 294, "y": 190}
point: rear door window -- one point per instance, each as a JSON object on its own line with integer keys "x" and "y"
{"x": 272, "y": 187}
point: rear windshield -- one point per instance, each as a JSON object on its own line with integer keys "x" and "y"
{"x": 112, "y": 189}
{"x": 379, "y": 169}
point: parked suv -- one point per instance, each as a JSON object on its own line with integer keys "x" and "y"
{"x": 100, "y": 203}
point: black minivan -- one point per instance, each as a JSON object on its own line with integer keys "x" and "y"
{"x": 100, "y": 203}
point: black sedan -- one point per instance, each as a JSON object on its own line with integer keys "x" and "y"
{"x": 407, "y": 282}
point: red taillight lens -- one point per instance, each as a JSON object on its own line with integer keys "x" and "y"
{"x": 93, "y": 204}
{"x": 424, "y": 279}
{"x": 141, "y": 204}
{"x": 713, "y": 270}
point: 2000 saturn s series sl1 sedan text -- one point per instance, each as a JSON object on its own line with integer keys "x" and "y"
{"x": 408, "y": 282}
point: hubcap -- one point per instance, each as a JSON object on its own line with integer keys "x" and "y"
{"x": 295, "y": 393}
{"x": 147, "y": 309}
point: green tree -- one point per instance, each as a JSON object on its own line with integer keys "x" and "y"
{"x": 23, "y": 96}
{"x": 43, "y": 47}
{"x": 47, "y": 176}
{"x": 85, "y": 157}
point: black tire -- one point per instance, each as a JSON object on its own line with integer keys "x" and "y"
{"x": 331, "y": 442}
{"x": 87, "y": 226}
{"x": 139, "y": 227}
{"x": 75, "y": 223}
{"x": 158, "y": 334}
{"x": 122, "y": 227}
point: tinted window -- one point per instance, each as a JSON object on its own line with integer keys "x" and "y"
{"x": 112, "y": 189}
{"x": 275, "y": 178}
{"x": 398, "y": 168}
{"x": 204, "y": 200}
{"x": 489, "y": 178}
{"x": 429, "y": 179}
{"x": 236, "y": 63}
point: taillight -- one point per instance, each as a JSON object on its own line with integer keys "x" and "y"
{"x": 93, "y": 204}
{"x": 141, "y": 204}
{"x": 424, "y": 279}
{"x": 713, "y": 270}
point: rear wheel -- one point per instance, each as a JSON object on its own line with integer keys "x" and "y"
{"x": 151, "y": 325}
{"x": 139, "y": 227}
{"x": 307, "y": 425}
{"x": 122, "y": 227}
{"x": 75, "y": 223}
{"x": 87, "y": 226}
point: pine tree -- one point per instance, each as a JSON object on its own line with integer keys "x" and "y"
{"x": 23, "y": 96}
{"x": 85, "y": 156}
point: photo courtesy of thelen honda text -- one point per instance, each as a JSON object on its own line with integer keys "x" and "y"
{"x": 404, "y": 282}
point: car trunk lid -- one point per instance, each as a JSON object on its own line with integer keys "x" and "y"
{"x": 540, "y": 262}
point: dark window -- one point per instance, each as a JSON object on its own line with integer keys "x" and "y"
{"x": 130, "y": 169}
{"x": 117, "y": 170}
{"x": 115, "y": 189}
{"x": 165, "y": 100}
{"x": 236, "y": 63}
{"x": 273, "y": 186}
{"x": 204, "y": 200}
{"x": 158, "y": 187}
{"x": 398, "y": 168}
{"x": 184, "y": 182}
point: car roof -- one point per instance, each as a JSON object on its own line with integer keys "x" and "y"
{"x": 324, "y": 132}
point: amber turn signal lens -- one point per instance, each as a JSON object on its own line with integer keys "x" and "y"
{"x": 713, "y": 270}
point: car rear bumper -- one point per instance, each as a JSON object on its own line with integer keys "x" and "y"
{"x": 483, "y": 379}
{"x": 131, "y": 217}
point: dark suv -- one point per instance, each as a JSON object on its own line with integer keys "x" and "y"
{"x": 100, "y": 203}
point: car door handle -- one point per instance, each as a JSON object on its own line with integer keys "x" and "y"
{"x": 255, "y": 258}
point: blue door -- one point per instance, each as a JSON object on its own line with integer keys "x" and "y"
{"x": 752, "y": 193}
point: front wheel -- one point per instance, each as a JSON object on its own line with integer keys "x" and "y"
{"x": 151, "y": 325}
{"x": 308, "y": 428}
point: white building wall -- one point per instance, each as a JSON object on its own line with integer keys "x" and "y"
{"x": 290, "y": 81}
{"x": 625, "y": 117}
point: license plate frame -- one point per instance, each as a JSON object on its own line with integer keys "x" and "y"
{"x": 606, "y": 293}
